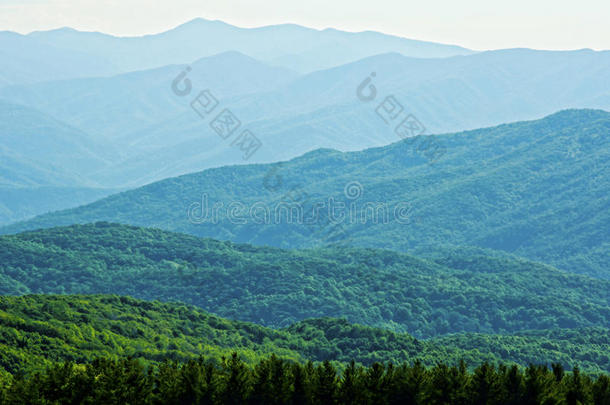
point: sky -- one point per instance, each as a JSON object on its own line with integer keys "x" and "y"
{"x": 475, "y": 24}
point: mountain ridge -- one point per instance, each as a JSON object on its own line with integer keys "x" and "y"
{"x": 491, "y": 176}
{"x": 294, "y": 42}
{"x": 455, "y": 291}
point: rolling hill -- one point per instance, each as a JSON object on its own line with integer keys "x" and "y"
{"x": 21, "y": 203}
{"x": 45, "y": 165}
{"x": 38, "y": 330}
{"x": 536, "y": 189}
{"x": 458, "y": 292}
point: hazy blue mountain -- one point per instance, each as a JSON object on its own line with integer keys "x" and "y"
{"x": 288, "y": 45}
{"x": 449, "y": 94}
{"x": 161, "y": 136}
{"x": 114, "y": 106}
{"x": 537, "y": 189}
{"x": 321, "y": 110}
{"x": 24, "y": 59}
{"x": 37, "y": 149}
{"x": 107, "y": 108}
{"x": 21, "y": 203}
{"x": 45, "y": 165}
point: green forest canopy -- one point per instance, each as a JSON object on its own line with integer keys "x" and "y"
{"x": 456, "y": 293}
{"x": 538, "y": 189}
{"x": 39, "y": 330}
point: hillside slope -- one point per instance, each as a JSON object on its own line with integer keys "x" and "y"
{"x": 22, "y": 203}
{"x": 36, "y": 149}
{"x": 275, "y": 287}
{"x": 26, "y": 60}
{"x": 321, "y": 109}
{"x": 45, "y": 164}
{"x": 111, "y": 107}
{"x": 37, "y": 330}
{"x": 536, "y": 189}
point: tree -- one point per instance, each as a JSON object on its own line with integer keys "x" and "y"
{"x": 601, "y": 390}
{"x": 513, "y": 385}
{"x": 325, "y": 383}
{"x": 351, "y": 388}
{"x": 271, "y": 382}
{"x": 237, "y": 385}
{"x": 558, "y": 371}
{"x": 375, "y": 384}
{"x": 484, "y": 387}
{"x": 301, "y": 393}
{"x": 408, "y": 385}
{"x": 577, "y": 388}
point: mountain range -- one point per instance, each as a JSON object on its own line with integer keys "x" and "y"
{"x": 159, "y": 135}
{"x": 286, "y": 45}
{"x": 296, "y": 89}
{"x": 66, "y": 53}
{"x": 217, "y": 214}
{"x": 535, "y": 189}
{"x": 45, "y": 164}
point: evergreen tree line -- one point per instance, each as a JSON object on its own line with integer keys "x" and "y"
{"x": 277, "y": 381}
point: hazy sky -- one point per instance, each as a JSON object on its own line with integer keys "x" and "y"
{"x": 477, "y": 24}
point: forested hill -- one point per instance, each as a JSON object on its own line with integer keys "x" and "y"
{"x": 537, "y": 189}
{"x": 38, "y": 330}
{"x": 275, "y": 287}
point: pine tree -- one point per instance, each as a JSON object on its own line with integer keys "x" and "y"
{"x": 577, "y": 388}
{"x": 25, "y": 390}
{"x": 325, "y": 383}
{"x": 484, "y": 387}
{"x": 513, "y": 386}
{"x": 271, "y": 382}
{"x": 558, "y": 371}
{"x": 301, "y": 392}
{"x": 236, "y": 387}
{"x": 601, "y": 391}
{"x": 168, "y": 389}
{"x": 374, "y": 383}
{"x": 193, "y": 382}
{"x": 351, "y": 388}
{"x": 408, "y": 384}
{"x": 539, "y": 384}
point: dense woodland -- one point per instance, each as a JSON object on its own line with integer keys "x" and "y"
{"x": 37, "y": 331}
{"x": 537, "y": 189}
{"x": 455, "y": 292}
{"x": 276, "y": 381}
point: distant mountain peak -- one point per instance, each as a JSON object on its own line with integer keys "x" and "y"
{"x": 197, "y": 23}
{"x": 228, "y": 55}
{"x": 570, "y": 113}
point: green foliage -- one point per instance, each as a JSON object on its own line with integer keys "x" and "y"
{"x": 39, "y": 330}
{"x": 275, "y": 381}
{"x": 447, "y": 294}
{"x": 537, "y": 189}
